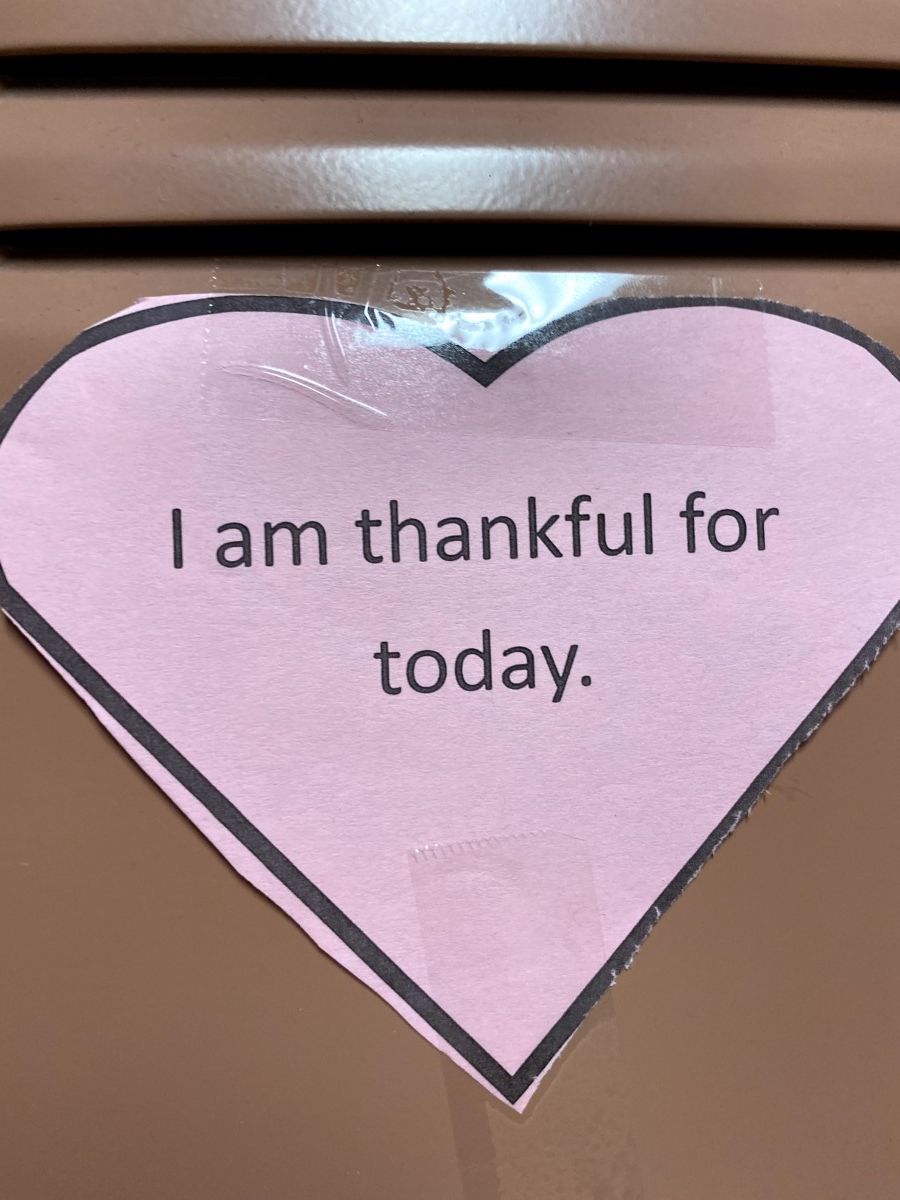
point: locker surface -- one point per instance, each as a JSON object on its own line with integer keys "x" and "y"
{"x": 170, "y": 1033}
{"x": 805, "y": 30}
{"x": 81, "y": 158}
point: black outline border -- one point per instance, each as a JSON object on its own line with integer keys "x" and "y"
{"x": 510, "y": 1085}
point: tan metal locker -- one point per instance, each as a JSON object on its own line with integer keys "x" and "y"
{"x": 166, "y": 1032}
{"x": 810, "y": 31}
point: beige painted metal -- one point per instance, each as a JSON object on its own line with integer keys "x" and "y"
{"x": 867, "y": 31}
{"x": 112, "y": 157}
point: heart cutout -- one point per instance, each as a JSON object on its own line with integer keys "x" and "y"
{"x": 486, "y": 854}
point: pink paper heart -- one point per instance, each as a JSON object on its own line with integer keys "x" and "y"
{"x": 486, "y": 858}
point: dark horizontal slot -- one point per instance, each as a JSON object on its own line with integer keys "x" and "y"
{"x": 517, "y": 72}
{"x": 520, "y": 240}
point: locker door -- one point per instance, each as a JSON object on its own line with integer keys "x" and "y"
{"x": 166, "y": 1031}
